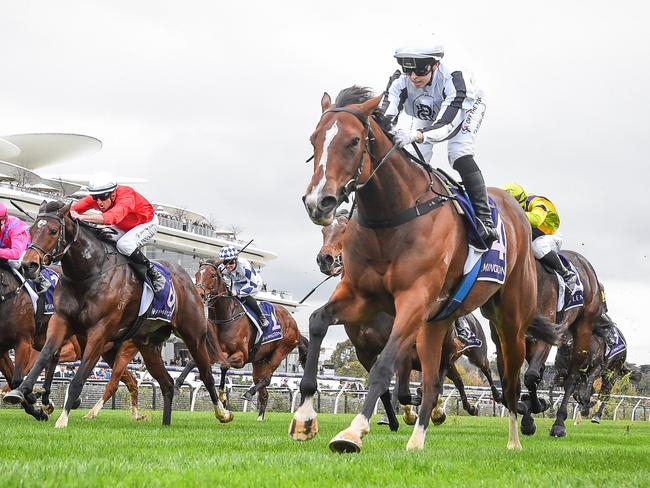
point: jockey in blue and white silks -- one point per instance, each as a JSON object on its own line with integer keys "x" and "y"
{"x": 446, "y": 105}
{"x": 244, "y": 280}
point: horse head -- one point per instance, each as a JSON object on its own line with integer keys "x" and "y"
{"x": 209, "y": 282}
{"x": 341, "y": 154}
{"x": 330, "y": 256}
{"x": 52, "y": 234}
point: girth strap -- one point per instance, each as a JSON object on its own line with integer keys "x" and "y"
{"x": 403, "y": 217}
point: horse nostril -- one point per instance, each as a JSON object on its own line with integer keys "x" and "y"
{"x": 327, "y": 204}
{"x": 324, "y": 260}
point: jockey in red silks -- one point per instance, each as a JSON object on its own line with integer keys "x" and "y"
{"x": 14, "y": 239}
{"x": 128, "y": 213}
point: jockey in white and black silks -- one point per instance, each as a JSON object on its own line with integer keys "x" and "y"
{"x": 446, "y": 105}
{"x": 128, "y": 213}
{"x": 245, "y": 281}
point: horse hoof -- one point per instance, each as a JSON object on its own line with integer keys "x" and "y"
{"x": 177, "y": 391}
{"x": 49, "y": 408}
{"x": 522, "y": 408}
{"x": 439, "y": 420}
{"x": 14, "y": 397}
{"x": 303, "y": 430}
{"x": 260, "y": 418}
{"x": 247, "y": 396}
{"x": 43, "y": 416}
{"x": 228, "y": 418}
{"x": 595, "y": 420}
{"x": 344, "y": 442}
{"x": 142, "y": 418}
{"x": 383, "y": 421}
{"x": 558, "y": 431}
{"x": 473, "y": 411}
{"x": 528, "y": 426}
{"x": 409, "y": 416}
{"x": 76, "y": 404}
{"x": 393, "y": 426}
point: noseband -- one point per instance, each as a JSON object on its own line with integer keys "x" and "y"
{"x": 54, "y": 254}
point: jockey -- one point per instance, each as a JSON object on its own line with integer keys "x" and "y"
{"x": 545, "y": 221}
{"x": 466, "y": 335}
{"x": 446, "y": 105}
{"x": 245, "y": 281}
{"x": 14, "y": 239}
{"x": 128, "y": 213}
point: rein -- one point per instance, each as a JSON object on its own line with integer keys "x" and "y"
{"x": 211, "y": 298}
{"x": 54, "y": 255}
{"x": 11, "y": 294}
{"x": 353, "y": 185}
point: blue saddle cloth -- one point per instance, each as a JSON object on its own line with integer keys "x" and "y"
{"x": 53, "y": 278}
{"x": 273, "y": 331}
{"x": 484, "y": 264}
{"x": 164, "y": 302}
{"x": 577, "y": 298}
{"x": 618, "y": 346}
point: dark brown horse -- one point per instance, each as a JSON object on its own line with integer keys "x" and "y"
{"x": 369, "y": 339}
{"x": 599, "y": 365}
{"x": 578, "y": 322}
{"x": 405, "y": 260}
{"x": 98, "y": 298}
{"x": 231, "y": 336}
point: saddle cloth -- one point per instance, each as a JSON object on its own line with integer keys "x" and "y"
{"x": 577, "y": 298}
{"x": 614, "y": 343}
{"x": 273, "y": 331}
{"x": 482, "y": 264}
{"x": 53, "y": 278}
{"x": 158, "y": 306}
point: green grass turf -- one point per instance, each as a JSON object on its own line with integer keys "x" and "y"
{"x": 197, "y": 451}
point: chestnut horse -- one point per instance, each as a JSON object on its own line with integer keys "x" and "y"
{"x": 608, "y": 369}
{"x": 577, "y": 322}
{"x": 405, "y": 260}
{"x": 369, "y": 339}
{"x": 98, "y": 298}
{"x": 231, "y": 336}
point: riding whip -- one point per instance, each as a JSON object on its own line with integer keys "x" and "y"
{"x": 23, "y": 211}
{"x": 314, "y": 289}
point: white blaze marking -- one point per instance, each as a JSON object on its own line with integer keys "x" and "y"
{"x": 312, "y": 198}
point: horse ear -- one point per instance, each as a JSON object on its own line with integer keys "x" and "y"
{"x": 65, "y": 210}
{"x": 41, "y": 209}
{"x": 325, "y": 102}
{"x": 368, "y": 107}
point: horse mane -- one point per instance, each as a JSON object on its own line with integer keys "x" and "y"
{"x": 356, "y": 94}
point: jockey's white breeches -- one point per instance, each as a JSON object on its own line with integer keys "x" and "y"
{"x": 547, "y": 243}
{"x": 462, "y": 144}
{"x": 129, "y": 241}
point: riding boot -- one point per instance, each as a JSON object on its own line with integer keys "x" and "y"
{"x": 553, "y": 261}
{"x": 474, "y": 184}
{"x": 156, "y": 277}
{"x": 252, "y": 303}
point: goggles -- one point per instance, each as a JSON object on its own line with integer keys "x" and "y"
{"x": 421, "y": 67}
{"x": 102, "y": 196}
{"x": 230, "y": 261}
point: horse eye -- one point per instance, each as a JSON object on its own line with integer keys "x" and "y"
{"x": 355, "y": 142}
{"x": 53, "y": 231}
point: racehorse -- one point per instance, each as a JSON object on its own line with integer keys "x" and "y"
{"x": 599, "y": 365}
{"x": 18, "y": 327}
{"x": 578, "y": 322}
{"x": 405, "y": 260}
{"x": 231, "y": 336}
{"x": 369, "y": 339}
{"x": 98, "y": 298}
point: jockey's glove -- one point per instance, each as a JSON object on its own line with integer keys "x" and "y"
{"x": 403, "y": 137}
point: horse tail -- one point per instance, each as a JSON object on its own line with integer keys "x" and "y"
{"x": 303, "y": 347}
{"x": 542, "y": 329}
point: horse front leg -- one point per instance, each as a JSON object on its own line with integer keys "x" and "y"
{"x": 579, "y": 356}
{"x": 606, "y": 386}
{"x": 191, "y": 364}
{"x": 48, "y": 406}
{"x": 223, "y": 395}
{"x": 454, "y": 376}
{"x": 151, "y": 355}
{"x": 56, "y": 333}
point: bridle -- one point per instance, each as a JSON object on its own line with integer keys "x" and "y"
{"x": 210, "y": 297}
{"x": 48, "y": 258}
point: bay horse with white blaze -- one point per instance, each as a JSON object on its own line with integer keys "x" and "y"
{"x": 98, "y": 299}
{"x": 232, "y": 335}
{"x": 408, "y": 269}
{"x": 369, "y": 339}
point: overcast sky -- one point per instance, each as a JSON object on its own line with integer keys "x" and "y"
{"x": 213, "y": 102}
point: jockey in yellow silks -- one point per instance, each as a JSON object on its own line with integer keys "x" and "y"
{"x": 545, "y": 221}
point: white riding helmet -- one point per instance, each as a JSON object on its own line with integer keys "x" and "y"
{"x": 227, "y": 253}
{"x": 418, "y": 53}
{"x": 101, "y": 183}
